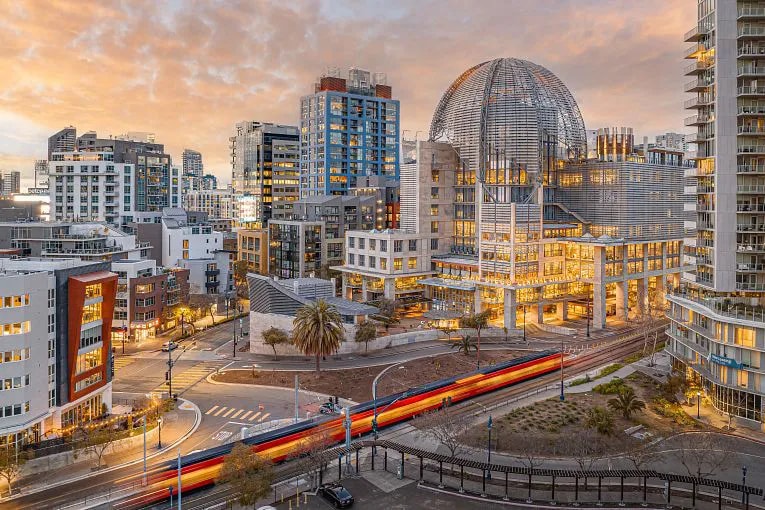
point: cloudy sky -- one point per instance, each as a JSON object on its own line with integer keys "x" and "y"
{"x": 189, "y": 70}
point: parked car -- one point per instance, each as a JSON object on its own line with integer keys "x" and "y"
{"x": 327, "y": 408}
{"x": 336, "y": 494}
{"x": 169, "y": 346}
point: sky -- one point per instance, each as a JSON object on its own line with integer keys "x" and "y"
{"x": 189, "y": 70}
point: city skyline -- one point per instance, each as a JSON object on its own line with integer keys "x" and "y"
{"x": 191, "y": 91}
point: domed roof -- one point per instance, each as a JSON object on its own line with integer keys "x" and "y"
{"x": 513, "y": 107}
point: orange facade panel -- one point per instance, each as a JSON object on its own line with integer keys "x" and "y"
{"x": 331, "y": 83}
{"x": 78, "y": 295}
{"x": 384, "y": 91}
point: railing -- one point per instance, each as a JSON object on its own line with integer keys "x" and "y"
{"x": 751, "y": 31}
{"x": 753, "y": 70}
{"x": 726, "y": 307}
{"x": 749, "y": 11}
{"x": 743, "y": 227}
{"x": 697, "y": 84}
{"x": 751, "y": 51}
{"x": 701, "y": 100}
{"x": 751, "y": 287}
{"x": 751, "y": 169}
{"x": 751, "y": 130}
{"x": 751, "y": 188}
{"x": 750, "y": 247}
{"x": 750, "y": 267}
{"x": 750, "y": 207}
{"x": 751, "y": 149}
{"x": 696, "y": 48}
{"x": 750, "y": 90}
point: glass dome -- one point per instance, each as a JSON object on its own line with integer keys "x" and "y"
{"x": 510, "y": 107}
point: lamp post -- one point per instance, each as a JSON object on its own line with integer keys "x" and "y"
{"x": 488, "y": 450}
{"x": 170, "y": 490}
{"x": 698, "y": 405}
{"x": 524, "y": 322}
{"x": 588, "y": 311}
{"x": 562, "y": 396}
{"x": 159, "y": 431}
{"x": 234, "y": 354}
{"x": 743, "y": 482}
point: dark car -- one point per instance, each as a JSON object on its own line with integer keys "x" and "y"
{"x": 336, "y": 494}
{"x": 327, "y": 408}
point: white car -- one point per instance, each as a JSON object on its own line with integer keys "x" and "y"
{"x": 169, "y": 346}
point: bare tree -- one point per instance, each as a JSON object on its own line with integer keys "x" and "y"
{"x": 638, "y": 453}
{"x": 206, "y": 303}
{"x": 446, "y": 427}
{"x": 249, "y": 474}
{"x": 702, "y": 454}
{"x": 586, "y": 449}
{"x": 11, "y": 462}
{"x": 530, "y": 453}
{"x": 308, "y": 454}
{"x": 98, "y": 440}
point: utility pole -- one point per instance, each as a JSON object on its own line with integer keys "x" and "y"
{"x": 562, "y": 397}
{"x": 234, "y": 339}
{"x": 347, "y": 423}
{"x": 170, "y": 369}
{"x": 144, "y": 449}
{"x": 297, "y": 404}
{"x": 179, "y": 479}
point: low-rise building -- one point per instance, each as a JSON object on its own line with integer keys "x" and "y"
{"x": 56, "y": 319}
{"x": 252, "y": 246}
{"x": 147, "y": 295}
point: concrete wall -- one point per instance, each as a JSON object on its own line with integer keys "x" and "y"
{"x": 59, "y": 460}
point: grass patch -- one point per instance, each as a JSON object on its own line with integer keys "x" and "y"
{"x": 613, "y": 387}
{"x": 609, "y": 370}
{"x": 581, "y": 380}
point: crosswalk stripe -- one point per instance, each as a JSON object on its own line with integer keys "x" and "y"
{"x": 264, "y": 416}
{"x": 245, "y": 415}
{"x": 225, "y": 415}
{"x": 213, "y": 408}
{"x": 237, "y": 413}
{"x": 254, "y": 416}
{"x": 220, "y": 411}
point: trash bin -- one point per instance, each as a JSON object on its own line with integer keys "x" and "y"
{"x": 399, "y": 474}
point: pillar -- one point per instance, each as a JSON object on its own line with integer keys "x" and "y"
{"x": 534, "y": 314}
{"x": 598, "y": 306}
{"x": 661, "y": 289}
{"x": 389, "y": 288}
{"x": 511, "y": 305}
{"x": 477, "y": 306}
{"x": 345, "y": 286}
{"x": 364, "y": 296}
{"x": 642, "y": 295}
{"x": 622, "y": 301}
{"x": 561, "y": 311}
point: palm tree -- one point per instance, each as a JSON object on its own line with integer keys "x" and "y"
{"x": 318, "y": 330}
{"x": 626, "y": 403}
{"x": 601, "y": 420}
{"x": 465, "y": 345}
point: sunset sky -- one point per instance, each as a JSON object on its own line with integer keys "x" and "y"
{"x": 189, "y": 70}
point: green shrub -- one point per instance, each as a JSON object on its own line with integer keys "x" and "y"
{"x": 581, "y": 380}
{"x": 612, "y": 387}
{"x": 609, "y": 370}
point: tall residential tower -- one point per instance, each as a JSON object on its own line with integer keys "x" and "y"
{"x": 348, "y": 128}
{"x": 717, "y": 330}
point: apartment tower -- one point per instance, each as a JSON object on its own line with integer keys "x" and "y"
{"x": 717, "y": 330}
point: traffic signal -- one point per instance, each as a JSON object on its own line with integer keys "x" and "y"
{"x": 167, "y": 376}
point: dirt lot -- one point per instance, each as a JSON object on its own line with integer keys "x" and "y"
{"x": 555, "y": 426}
{"x": 356, "y": 384}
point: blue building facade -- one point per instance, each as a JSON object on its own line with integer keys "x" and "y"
{"x": 348, "y": 128}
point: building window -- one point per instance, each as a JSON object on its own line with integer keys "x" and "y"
{"x": 93, "y": 291}
{"x": 91, "y": 313}
{"x": 398, "y": 264}
{"x": 398, "y": 246}
{"x": 373, "y": 244}
{"x": 372, "y": 262}
{"x": 14, "y": 301}
{"x": 351, "y": 242}
{"x": 146, "y": 288}
{"x": 411, "y": 263}
{"x": 383, "y": 264}
{"x": 88, "y": 361}
{"x": 15, "y": 328}
{"x": 185, "y": 244}
{"x": 745, "y": 337}
{"x": 361, "y": 260}
{"x": 434, "y": 244}
{"x": 361, "y": 243}
{"x": 433, "y": 227}
{"x": 351, "y": 259}
{"x": 383, "y": 245}
{"x": 434, "y": 210}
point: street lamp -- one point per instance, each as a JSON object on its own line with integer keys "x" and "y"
{"x": 524, "y": 323}
{"x": 698, "y": 405}
{"x": 488, "y": 450}
{"x": 743, "y": 482}
{"x": 159, "y": 425}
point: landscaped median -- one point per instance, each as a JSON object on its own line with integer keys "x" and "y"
{"x": 356, "y": 383}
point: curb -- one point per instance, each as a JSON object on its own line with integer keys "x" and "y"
{"x": 263, "y": 386}
{"x": 197, "y": 421}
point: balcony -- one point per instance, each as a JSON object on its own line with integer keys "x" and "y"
{"x": 751, "y": 188}
{"x": 751, "y": 169}
{"x": 750, "y": 71}
{"x": 751, "y": 130}
{"x": 750, "y": 248}
{"x": 699, "y": 102}
{"x": 699, "y": 120}
{"x": 750, "y": 208}
{"x": 212, "y": 272}
{"x": 743, "y": 227}
{"x": 750, "y": 91}
{"x": 697, "y": 67}
{"x": 750, "y": 268}
{"x": 696, "y": 33}
{"x": 212, "y": 285}
{"x": 751, "y": 13}
{"x": 700, "y": 136}
{"x": 751, "y": 110}
{"x": 749, "y": 50}
{"x": 751, "y": 149}
{"x": 697, "y": 85}
{"x": 695, "y": 50}
{"x": 756, "y": 286}
{"x": 751, "y": 32}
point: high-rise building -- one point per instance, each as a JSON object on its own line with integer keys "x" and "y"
{"x": 157, "y": 184}
{"x": 717, "y": 328}
{"x": 672, "y": 141}
{"x": 349, "y": 127}
{"x": 264, "y": 161}
{"x": 192, "y": 163}
{"x": 217, "y": 203}
{"x": 614, "y": 144}
{"x": 63, "y": 141}
{"x": 209, "y": 182}
{"x": 11, "y": 183}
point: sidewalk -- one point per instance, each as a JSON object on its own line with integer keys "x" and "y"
{"x": 177, "y": 425}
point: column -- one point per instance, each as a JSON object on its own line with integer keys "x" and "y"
{"x": 364, "y": 296}
{"x": 598, "y": 306}
{"x": 561, "y": 311}
{"x": 389, "y": 288}
{"x": 510, "y": 308}
{"x": 477, "y": 306}
{"x": 660, "y": 297}
{"x": 622, "y": 301}
{"x": 344, "y": 285}
{"x": 642, "y": 295}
